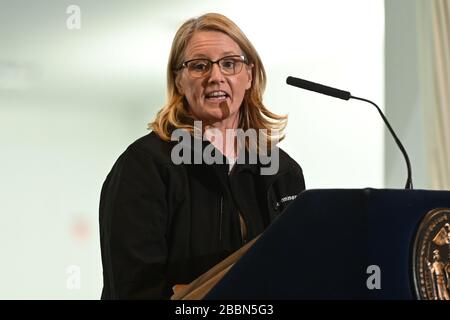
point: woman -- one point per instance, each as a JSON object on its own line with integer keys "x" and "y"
{"x": 164, "y": 221}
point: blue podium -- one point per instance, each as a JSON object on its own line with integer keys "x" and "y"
{"x": 329, "y": 244}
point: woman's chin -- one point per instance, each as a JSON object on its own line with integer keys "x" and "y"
{"x": 212, "y": 118}
{"x": 211, "y": 113}
{"x": 215, "y": 114}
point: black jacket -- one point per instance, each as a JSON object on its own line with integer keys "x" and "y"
{"x": 163, "y": 224}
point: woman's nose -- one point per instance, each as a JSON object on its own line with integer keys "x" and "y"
{"x": 216, "y": 74}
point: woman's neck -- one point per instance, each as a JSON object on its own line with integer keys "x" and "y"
{"x": 222, "y": 135}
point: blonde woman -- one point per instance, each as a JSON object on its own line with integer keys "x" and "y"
{"x": 174, "y": 205}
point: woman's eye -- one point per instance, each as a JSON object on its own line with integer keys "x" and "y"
{"x": 228, "y": 64}
{"x": 200, "y": 66}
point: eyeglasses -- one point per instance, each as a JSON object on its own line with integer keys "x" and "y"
{"x": 228, "y": 65}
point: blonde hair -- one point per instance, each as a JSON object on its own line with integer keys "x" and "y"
{"x": 253, "y": 114}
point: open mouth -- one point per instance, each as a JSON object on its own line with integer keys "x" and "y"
{"x": 216, "y": 96}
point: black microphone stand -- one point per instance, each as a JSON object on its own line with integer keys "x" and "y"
{"x": 409, "y": 184}
{"x": 345, "y": 95}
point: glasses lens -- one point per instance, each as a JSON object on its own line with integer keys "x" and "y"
{"x": 230, "y": 65}
{"x": 198, "y": 68}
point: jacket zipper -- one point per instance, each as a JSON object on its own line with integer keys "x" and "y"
{"x": 243, "y": 226}
{"x": 242, "y": 222}
{"x": 220, "y": 218}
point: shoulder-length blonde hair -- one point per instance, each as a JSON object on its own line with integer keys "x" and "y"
{"x": 253, "y": 114}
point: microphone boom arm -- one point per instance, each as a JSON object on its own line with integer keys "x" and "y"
{"x": 345, "y": 95}
{"x": 409, "y": 184}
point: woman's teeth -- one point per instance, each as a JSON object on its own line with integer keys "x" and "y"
{"x": 216, "y": 96}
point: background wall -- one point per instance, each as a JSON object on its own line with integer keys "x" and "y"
{"x": 404, "y": 107}
{"x": 72, "y": 100}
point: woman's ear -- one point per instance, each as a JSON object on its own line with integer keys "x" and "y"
{"x": 249, "y": 69}
{"x": 178, "y": 84}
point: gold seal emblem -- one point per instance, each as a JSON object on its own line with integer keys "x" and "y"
{"x": 431, "y": 256}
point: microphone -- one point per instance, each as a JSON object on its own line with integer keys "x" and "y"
{"x": 345, "y": 95}
{"x": 319, "y": 88}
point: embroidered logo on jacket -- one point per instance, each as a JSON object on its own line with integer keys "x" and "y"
{"x": 285, "y": 199}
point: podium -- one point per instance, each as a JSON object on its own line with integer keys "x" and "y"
{"x": 326, "y": 244}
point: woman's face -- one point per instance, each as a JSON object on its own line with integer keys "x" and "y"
{"x": 199, "y": 91}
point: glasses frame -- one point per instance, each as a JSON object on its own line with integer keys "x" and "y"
{"x": 185, "y": 64}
